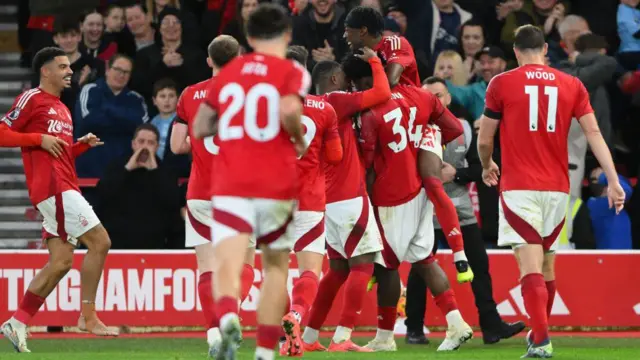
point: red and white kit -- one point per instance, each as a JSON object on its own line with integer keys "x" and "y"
{"x": 255, "y": 181}
{"x": 350, "y": 224}
{"x": 52, "y": 183}
{"x": 404, "y": 215}
{"x": 397, "y": 50}
{"x": 321, "y": 126}
{"x": 535, "y": 105}
{"x": 198, "y": 220}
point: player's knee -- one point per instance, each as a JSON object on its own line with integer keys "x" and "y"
{"x": 275, "y": 259}
{"x": 97, "y": 240}
{"x": 62, "y": 264}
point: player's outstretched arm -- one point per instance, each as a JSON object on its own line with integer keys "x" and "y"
{"x": 601, "y": 151}
{"x": 205, "y": 122}
{"x": 290, "y": 113}
{"x": 490, "y": 171}
{"x": 179, "y": 138}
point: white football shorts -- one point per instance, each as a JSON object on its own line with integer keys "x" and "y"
{"x": 67, "y": 215}
{"x": 309, "y": 232}
{"x": 351, "y": 229}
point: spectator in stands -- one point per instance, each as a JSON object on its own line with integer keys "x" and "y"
{"x": 447, "y": 19}
{"x": 472, "y": 40}
{"x": 115, "y": 30}
{"x": 114, "y": 21}
{"x": 140, "y": 201}
{"x": 190, "y": 25}
{"x": 169, "y": 58}
{"x": 629, "y": 32}
{"x": 67, "y": 36}
{"x": 611, "y": 230}
{"x": 93, "y": 44}
{"x": 236, "y": 27}
{"x": 112, "y": 112}
{"x": 546, "y": 14}
{"x": 139, "y": 23}
{"x": 570, "y": 29}
{"x": 165, "y": 99}
{"x": 449, "y": 66}
{"x": 320, "y": 29}
{"x": 391, "y": 27}
{"x": 492, "y": 62}
{"x": 398, "y": 16}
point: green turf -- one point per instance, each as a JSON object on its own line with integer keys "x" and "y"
{"x": 187, "y": 349}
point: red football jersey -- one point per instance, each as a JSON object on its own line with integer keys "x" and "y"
{"x": 321, "y": 125}
{"x": 385, "y": 139}
{"x": 203, "y": 150}
{"x": 257, "y": 158}
{"x": 36, "y": 111}
{"x": 397, "y": 50}
{"x": 345, "y": 180}
{"x": 535, "y": 105}
{"x": 426, "y": 109}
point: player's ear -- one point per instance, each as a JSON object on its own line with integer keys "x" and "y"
{"x": 209, "y": 62}
{"x": 364, "y": 31}
{"x": 545, "y": 49}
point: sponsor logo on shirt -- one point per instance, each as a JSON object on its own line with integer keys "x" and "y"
{"x": 57, "y": 127}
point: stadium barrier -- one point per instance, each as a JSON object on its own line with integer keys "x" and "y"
{"x": 159, "y": 288}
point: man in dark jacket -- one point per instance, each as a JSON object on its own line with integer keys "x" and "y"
{"x": 170, "y": 58}
{"x": 320, "y": 29}
{"x": 110, "y": 110}
{"x": 139, "y": 200}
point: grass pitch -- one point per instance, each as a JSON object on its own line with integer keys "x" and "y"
{"x": 566, "y": 347}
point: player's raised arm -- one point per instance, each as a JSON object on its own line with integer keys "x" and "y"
{"x": 381, "y": 90}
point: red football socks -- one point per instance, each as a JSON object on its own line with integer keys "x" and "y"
{"x": 205, "y": 293}
{"x": 246, "y": 281}
{"x": 267, "y": 336}
{"x": 304, "y": 292}
{"x": 355, "y": 291}
{"x": 226, "y": 305}
{"x": 551, "y": 295}
{"x": 29, "y": 306}
{"x": 534, "y": 293}
{"x": 328, "y": 288}
{"x": 445, "y": 212}
{"x": 446, "y": 302}
{"x": 387, "y": 317}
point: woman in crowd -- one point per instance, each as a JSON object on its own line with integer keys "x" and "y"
{"x": 472, "y": 40}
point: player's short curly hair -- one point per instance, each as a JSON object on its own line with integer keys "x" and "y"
{"x": 363, "y": 16}
{"x": 355, "y": 68}
{"x": 45, "y": 56}
{"x": 267, "y": 22}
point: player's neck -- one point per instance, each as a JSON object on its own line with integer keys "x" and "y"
{"x": 50, "y": 89}
{"x": 271, "y": 48}
{"x": 373, "y": 42}
{"x": 531, "y": 60}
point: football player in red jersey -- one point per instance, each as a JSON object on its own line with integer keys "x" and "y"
{"x": 222, "y": 49}
{"x": 255, "y": 106}
{"x": 41, "y": 125}
{"x": 353, "y": 240}
{"x": 404, "y": 214}
{"x": 321, "y": 134}
{"x": 363, "y": 28}
{"x": 534, "y": 105}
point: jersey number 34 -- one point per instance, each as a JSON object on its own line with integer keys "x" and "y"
{"x": 414, "y": 136}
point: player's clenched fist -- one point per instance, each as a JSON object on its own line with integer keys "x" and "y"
{"x": 53, "y": 145}
{"x": 490, "y": 174}
{"x": 616, "y": 196}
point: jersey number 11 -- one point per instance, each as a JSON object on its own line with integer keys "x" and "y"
{"x": 552, "y": 93}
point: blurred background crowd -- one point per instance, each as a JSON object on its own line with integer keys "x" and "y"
{"x": 133, "y": 58}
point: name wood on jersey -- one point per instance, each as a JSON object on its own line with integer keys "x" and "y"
{"x": 540, "y": 75}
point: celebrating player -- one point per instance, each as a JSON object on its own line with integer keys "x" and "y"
{"x": 363, "y": 28}
{"x": 321, "y": 134}
{"x": 352, "y": 236}
{"x": 41, "y": 125}
{"x": 534, "y": 105}
{"x": 258, "y": 100}
{"x": 403, "y": 212}
{"x": 221, "y": 50}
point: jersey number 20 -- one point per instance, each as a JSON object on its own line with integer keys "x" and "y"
{"x": 552, "y": 110}
{"x": 249, "y": 102}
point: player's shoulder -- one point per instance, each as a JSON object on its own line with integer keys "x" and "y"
{"x": 319, "y": 104}
{"x": 31, "y": 98}
{"x": 197, "y": 90}
{"x": 395, "y": 42}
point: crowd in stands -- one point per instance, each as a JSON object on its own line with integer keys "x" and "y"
{"x": 131, "y": 60}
